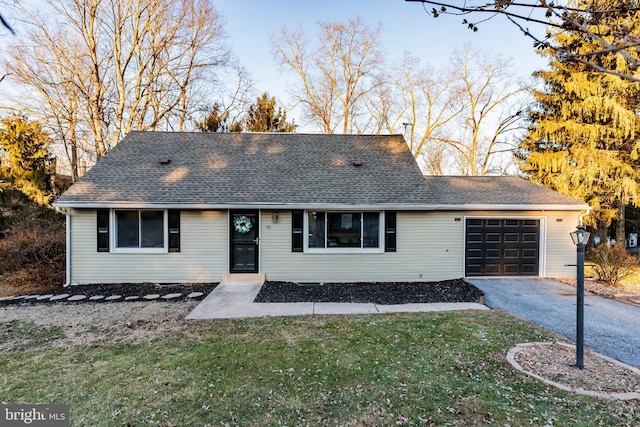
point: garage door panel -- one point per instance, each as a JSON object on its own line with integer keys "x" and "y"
{"x": 511, "y": 237}
{"x": 493, "y": 253}
{"x": 492, "y": 269}
{"x": 493, "y": 237}
{"x": 511, "y": 269}
{"x": 512, "y": 253}
{"x": 502, "y": 246}
{"x": 474, "y": 237}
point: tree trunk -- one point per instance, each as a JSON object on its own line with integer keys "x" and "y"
{"x": 621, "y": 235}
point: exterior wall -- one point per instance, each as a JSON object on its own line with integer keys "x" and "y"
{"x": 203, "y": 256}
{"x": 430, "y": 247}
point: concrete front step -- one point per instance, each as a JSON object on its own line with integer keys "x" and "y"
{"x": 244, "y": 277}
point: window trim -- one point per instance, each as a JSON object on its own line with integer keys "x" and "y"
{"x": 337, "y": 250}
{"x": 114, "y": 235}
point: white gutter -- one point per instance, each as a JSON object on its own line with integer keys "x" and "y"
{"x": 67, "y": 222}
{"x": 325, "y": 206}
{"x": 582, "y": 215}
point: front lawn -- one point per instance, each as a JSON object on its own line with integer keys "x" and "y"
{"x": 375, "y": 370}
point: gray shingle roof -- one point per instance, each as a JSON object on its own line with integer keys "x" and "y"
{"x": 281, "y": 169}
{"x": 493, "y": 190}
{"x": 253, "y": 168}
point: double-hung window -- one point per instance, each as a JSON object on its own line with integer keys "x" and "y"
{"x": 140, "y": 231}
{"x": 343, "y": 231}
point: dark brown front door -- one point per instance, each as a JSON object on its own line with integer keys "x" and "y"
{"x": 244, "y": 241}
{"x": 502, "y": 247}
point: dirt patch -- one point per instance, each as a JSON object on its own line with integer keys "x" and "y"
{"x": 80, "y": 325}
{"x": 556, "y": 362}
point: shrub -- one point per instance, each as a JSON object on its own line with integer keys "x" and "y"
{"x": 32, "y": 253}
{"x": 612, "y": 263}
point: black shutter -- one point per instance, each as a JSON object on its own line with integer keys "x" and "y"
{"x": 389, "y": 231}
{"x": 174, "y": 230}
{"x": 297, "y": 225}
{"x": 102, "y": 221}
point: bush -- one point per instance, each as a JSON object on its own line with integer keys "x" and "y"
{"x": 612, "y": 263}
{"x": 32, "y": 253}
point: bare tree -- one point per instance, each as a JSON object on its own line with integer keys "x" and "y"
{"x": 486, "y": 96}
{"x": 335, "y": 78}
{"x": 106, "y": 67}
{"x": 417, "y": 101}
{"x": 612, "y": 24}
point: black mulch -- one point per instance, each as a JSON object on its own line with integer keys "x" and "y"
{"x": 377, "y": 293}
{"x": 123, "y": 289}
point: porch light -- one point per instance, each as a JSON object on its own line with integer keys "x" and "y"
{"x": 580, "y": 238}
{"x": 274, "y": 217}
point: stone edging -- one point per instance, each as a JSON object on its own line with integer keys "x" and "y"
{"x": 618, "y": 396}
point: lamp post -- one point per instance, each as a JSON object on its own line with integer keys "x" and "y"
{"x": 580, "y": 238}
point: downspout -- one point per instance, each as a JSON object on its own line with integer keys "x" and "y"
{"x": 68, "y": 244}
{"x": 582, "y": 215}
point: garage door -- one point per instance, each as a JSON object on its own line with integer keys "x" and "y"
{"x": 502, "y": 247}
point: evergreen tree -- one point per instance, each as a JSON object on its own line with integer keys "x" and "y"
{"x": 219, "y": 121}
{"x": 583, "y": 139}
{"x": 264, "y": 117}
{"x": 25, "y": 161}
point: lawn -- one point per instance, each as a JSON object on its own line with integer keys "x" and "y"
{"x": 376, "y": 370}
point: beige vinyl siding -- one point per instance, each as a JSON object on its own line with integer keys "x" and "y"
{"x": 203, "y": 255}
{"x": 426, "y": 250}
{"x": 430, "y": 246}
{"x": 560, "y": 248}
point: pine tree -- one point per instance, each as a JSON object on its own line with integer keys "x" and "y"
{"x": 584, "y": 135}
{"x": 219, "y": 120}
{"x": 263, "y": 117}
{"x": 25, "y": 161}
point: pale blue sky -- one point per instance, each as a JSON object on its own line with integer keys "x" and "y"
{"x": 406, "y": 27}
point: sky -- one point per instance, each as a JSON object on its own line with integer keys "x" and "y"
{"x": 406, "y": 26}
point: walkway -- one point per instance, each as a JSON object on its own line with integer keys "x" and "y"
{"x": 611, "y": 327}
{"x": 234, "y": 299}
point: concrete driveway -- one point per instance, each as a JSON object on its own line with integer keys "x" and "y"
{"x": 611, "y": 328}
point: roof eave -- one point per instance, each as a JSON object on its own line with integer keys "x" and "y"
{"x": 324, "y": 206}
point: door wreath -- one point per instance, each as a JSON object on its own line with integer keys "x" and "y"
{"x": 242, "y": 224}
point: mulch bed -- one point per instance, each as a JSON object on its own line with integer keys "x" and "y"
{"x": 377, "y": 293}
{"x": 124, "y": 289}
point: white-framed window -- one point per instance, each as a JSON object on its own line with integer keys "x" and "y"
{"x": 139, "y": 230}
{"x": 344, "y": 231}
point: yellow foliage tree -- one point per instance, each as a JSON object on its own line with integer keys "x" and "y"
{"x": 583, "y": 140}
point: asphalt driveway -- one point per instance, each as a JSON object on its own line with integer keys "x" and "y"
{"x": 611, "y": 328}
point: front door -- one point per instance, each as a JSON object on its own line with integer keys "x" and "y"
{"x": 244, "y": 241}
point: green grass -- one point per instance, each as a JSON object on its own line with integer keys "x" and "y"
{"x": 407, "y": 369}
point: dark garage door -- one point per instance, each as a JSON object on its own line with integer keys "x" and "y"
{"x": 502, "y": 247}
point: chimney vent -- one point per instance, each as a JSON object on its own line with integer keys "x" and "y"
{"x": 357, "y": 163}
{"x": 164, "y": 161}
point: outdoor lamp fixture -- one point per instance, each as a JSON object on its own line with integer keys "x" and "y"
{"x": 274, "y": 217}
{"x": 580, "y": 238}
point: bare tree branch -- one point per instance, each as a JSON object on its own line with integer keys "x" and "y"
{"x": 612, "y": 23}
